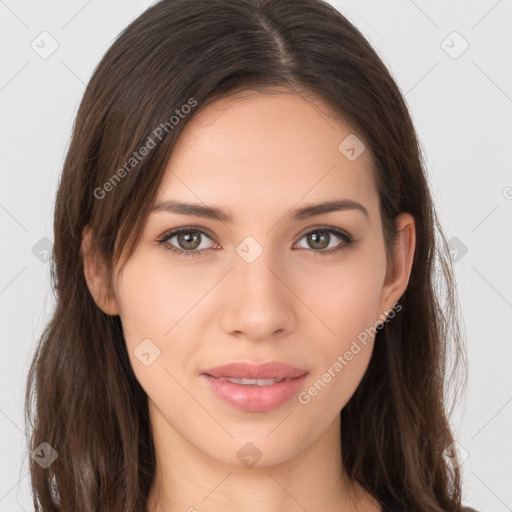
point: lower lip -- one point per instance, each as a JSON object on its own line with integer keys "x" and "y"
{"x": 255, "y": 398}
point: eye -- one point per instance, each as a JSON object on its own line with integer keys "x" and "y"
{"x": 320, "y": 240}
{"x": 190, "y": 241}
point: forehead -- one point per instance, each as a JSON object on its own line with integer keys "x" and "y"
{"x": 258, "y": 152}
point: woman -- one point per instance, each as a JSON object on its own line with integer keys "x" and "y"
{"x": 244, "y": 262}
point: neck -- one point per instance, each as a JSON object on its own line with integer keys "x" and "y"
{"x": 187, "y": 479}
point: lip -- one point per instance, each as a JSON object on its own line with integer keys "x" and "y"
{"x": 271, "y": 370}
{"x": 252, "y": 398}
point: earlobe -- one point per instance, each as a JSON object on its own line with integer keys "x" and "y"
{"x": 399, "y": 270}
{"x": 95, "y": 276}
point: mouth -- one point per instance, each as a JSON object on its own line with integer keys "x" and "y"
{"x": 273, "y": 370}
{"x": 252, "y": 387}
{"x": 251, "y": 382}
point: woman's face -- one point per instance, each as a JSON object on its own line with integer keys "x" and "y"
{"x": 268, "y": 285}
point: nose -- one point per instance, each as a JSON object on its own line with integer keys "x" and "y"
{"x": 260, "y": 303}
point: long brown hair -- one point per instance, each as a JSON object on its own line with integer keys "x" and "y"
{"x": 82, "y": 396}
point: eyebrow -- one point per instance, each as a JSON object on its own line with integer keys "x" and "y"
{"x": 209, "y": 212}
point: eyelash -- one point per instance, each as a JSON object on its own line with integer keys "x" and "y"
{"x": 162, "y": 240}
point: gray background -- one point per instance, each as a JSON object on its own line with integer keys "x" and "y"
{"x": 461, "y": 103}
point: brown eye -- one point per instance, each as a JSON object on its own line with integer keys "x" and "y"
{"x": 189, "y": 242}
{"x": 323, "y": 240}
{"x": 318, "y": 239}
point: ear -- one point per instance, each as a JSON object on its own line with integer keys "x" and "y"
{"x": 96, "y": 276}
{"x": 399, "y": 270}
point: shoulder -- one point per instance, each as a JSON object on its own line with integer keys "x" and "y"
{"x": 468, "y": 509}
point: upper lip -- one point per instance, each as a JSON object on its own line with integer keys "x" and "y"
{"x": 271, "y": 370}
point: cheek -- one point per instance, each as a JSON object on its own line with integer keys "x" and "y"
{"x": 154, "y": 305}
{"x": 153, "y": 296}
{"x": 346, "y": 302}
{"x": 345, "y": 297}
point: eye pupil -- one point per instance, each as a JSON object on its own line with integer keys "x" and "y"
{"x": 316, "y": 239}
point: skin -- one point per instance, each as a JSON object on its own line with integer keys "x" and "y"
{"x": 256, "y": 156}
